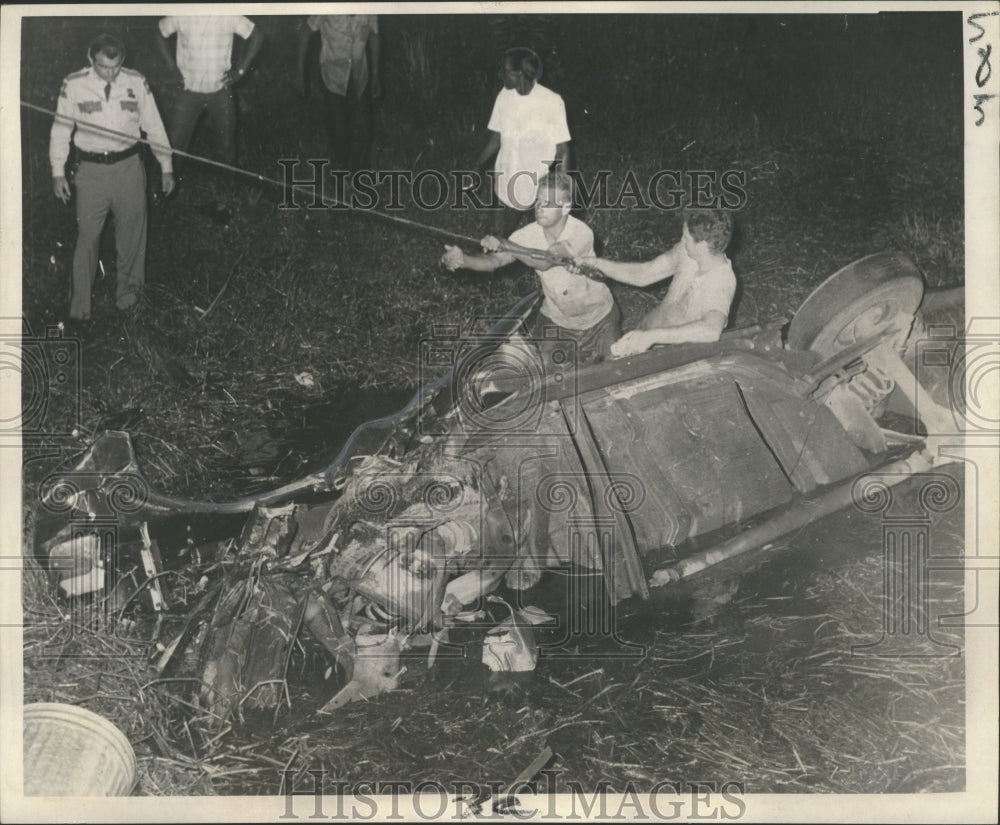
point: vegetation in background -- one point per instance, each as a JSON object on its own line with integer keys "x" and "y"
{"x": 848, "y": 129}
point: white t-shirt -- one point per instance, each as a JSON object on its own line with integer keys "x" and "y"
{"x": 205, "y": 47}
{"x": 530, "y": 126}
{"x": 693, "y": 294}
{"x": 571, "y": 301}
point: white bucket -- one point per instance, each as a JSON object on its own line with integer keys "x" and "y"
{"x": 70, "y": 751}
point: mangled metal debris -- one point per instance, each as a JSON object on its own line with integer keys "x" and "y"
{"x": 482, "y": 484}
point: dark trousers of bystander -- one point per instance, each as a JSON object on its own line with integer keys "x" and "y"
{"x": 349, "y": 128}
{"x": 219, "y": 109}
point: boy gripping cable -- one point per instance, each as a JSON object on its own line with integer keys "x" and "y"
{"x": 696, "y": 306}
{"x": 580, "y": 307}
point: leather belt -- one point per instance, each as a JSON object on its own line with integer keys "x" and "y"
{"x": 108, "y": 157}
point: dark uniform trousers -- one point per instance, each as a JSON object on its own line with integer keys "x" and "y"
{"x": 121, "y": 188}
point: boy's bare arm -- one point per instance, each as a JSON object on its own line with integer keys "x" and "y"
{"x": 535, "y": 258}
{"x": 454, "y": 258}
{"x": 534, "y": 261}
{"x": 706, "y": 329}
{"x": 643, "y": 273}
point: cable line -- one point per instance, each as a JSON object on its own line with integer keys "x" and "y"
{"x": 331, "y": 203}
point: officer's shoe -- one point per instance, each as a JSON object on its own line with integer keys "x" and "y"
{"x": 129, "y": 304}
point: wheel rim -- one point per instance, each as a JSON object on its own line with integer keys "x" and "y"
{"x": 862, "y": 299}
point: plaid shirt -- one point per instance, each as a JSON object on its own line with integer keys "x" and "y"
{"x": 344, "y": 38}
{"x": 128, "y": 108}
{"x": 205, "y": 47}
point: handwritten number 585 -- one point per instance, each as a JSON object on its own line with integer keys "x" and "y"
{"x": 984, "y": 70}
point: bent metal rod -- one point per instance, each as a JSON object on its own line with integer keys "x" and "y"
{"x": 542, "y": 254}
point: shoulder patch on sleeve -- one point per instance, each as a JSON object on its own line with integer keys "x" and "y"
{"x": 138, "y": 77}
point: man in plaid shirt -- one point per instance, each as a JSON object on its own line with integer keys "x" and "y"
{"x": 349, "y": 67}
{"x": 204, "y": 63}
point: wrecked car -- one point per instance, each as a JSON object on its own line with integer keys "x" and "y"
{"x": 515, "y": 463}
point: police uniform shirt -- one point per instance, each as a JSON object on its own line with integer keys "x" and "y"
{"x": 127, "y": 106}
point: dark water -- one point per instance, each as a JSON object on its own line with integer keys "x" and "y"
{"x": 298, "y": 434}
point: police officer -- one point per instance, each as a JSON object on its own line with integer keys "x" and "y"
{"x": 110, "y": 173}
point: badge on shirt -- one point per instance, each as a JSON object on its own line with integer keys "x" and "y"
{"x": 89, "y": 106}
{"x": 130, "y": 105}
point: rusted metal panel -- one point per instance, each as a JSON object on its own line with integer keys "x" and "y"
{"x": 701, "y": 462}
{"x": 548, "y": 499}
{"x": 806, "y": 439}
{"x": 624, "y": 573}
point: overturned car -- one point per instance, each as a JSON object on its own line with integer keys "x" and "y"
{"x": 517, "y": 462}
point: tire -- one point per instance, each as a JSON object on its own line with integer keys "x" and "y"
{"x": 857, "y": 302}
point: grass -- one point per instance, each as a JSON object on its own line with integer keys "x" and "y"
{"x": 845, "y": 152}
{"x": 765, "y": 692}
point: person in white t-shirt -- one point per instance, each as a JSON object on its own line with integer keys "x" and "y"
{"x": 205, "y": 66}
{"x": 696, "y": 306}
{"x": 582, "y": 308}
{"x": 528, "y": 133}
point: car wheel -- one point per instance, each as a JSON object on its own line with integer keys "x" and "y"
{"x": 857, "y": 302}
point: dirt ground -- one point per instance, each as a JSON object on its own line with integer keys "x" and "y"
{"x": 849, "y": 132}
